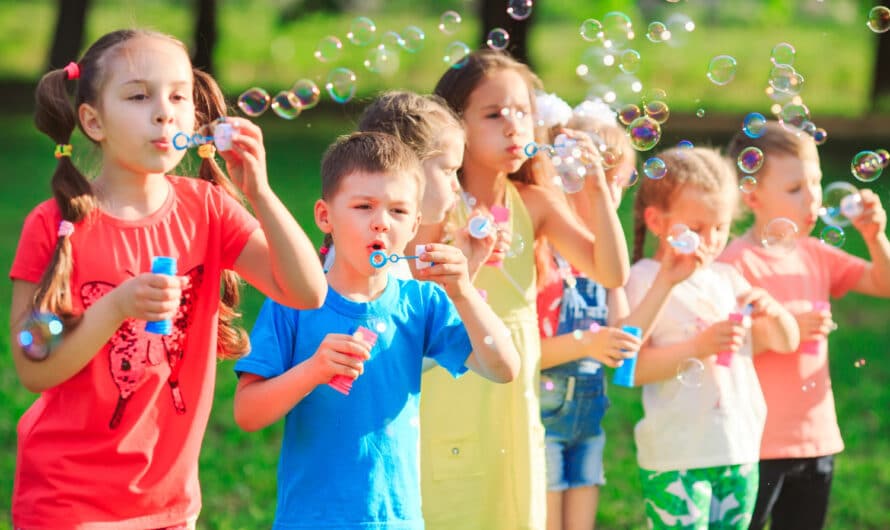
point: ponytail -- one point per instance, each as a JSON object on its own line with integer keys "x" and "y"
{"x": 55, "y": 117}
{"x": 232, "y": 340}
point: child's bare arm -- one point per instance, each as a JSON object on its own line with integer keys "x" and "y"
{"x": 260, "y": 402}
{"x": 604, "y": 261}
{"x": 278, "y": 259}
{"x": 494, "y": 355}
{"x": 661, "y": 363}
{"x": 145, "y": 297}
{"x": 872, "y": 224}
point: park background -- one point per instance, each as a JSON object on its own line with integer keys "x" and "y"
{"x": 270, "y": 44}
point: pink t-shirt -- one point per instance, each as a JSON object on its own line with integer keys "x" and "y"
{"x": 801, "y": 421}
{"x": 117, "y": 444}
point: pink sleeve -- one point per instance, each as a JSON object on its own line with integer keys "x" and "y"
{"x": 236, "y": 226}
{"x": 36, "y": 244}
{"x": 845, "y": 269}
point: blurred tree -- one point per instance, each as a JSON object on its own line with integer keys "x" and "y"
{"x": 68, "y": 36}
{"x": 493, "y": 14}
{"x": 880, "y": 84}
{"x": 205, "y": 35}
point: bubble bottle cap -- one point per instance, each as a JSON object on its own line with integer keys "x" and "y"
{"x": 222, "y": 136}
{"x": 479, "y": 226}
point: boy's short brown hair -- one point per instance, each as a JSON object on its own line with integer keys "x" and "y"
{"x": 368, "y": 152}
{"x": 775, "y": 140}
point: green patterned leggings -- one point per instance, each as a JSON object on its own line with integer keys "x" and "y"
{"x": 709, "y": 498}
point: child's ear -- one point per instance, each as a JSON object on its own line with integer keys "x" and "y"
{"x": 655, "y": 220}
{"x": 751, "y": 199}
{"x": 89, "y": 120}
{"x": 416, "y": 225}
{"x": 322, "y": 216}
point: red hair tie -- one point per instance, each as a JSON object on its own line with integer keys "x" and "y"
{"x": 324, "y": 250}
{"x": 72, "y": 70}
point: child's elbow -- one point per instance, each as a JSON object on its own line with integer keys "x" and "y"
{"x": 245, "y": 417}
{"x": 509, "y": 371}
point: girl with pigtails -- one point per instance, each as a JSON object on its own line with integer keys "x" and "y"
{"x": 113, "y": 440}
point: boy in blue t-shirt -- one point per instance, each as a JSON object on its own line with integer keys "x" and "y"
{"x": 350, "y": 457}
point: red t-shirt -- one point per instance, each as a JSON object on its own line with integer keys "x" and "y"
{"x": 117, "y": 444}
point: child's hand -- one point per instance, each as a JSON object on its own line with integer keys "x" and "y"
{"x": 723, "y": 336}
{"x": 611, "y": 346}
{"x": 449, "y": 271}
{"x": 590, "y": 156}
{"x": 503, "y": 240}
{"x": 814, "y": 325}
{"x": 676, "y": 267}
{"x": 873, "y": 219}
{"x": 246, "y": 160}
{"x": 150, "y": 296}
{"x": 763, "y": 305}
{"x": 477, "y": 250}
{"x": 339, "y": 354}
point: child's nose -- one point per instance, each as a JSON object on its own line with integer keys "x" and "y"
{"x": 163, "y": 113}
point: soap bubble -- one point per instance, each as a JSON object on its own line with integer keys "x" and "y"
{"x": 658, "y": 32}
{"x": 519, "y": 9}
{"x": 449, "y": 22}
{"x": 40, "y": 334}
{"x": 341, "y": 84}
{"x": 794, "y": 115}
{"x": 691, "y": 372}
{"x": 840, "y": 203}
{"x": 866, "y": 166}
{"x": 307, "y": 92}
{"x": 879, "y": 19}
{"x": 780, "y": 234}
{"x": 629, "y": 61}
{"x": 329, "y": 49}
{"x": 457, "y": 54}
{"x": 721, "y": 69}
{"x": 286, "y": 105}
{"x": 498, "y": 39}
{"x": 833, "y": 235}
{"x": 700, "y": 113}
{"x": 655, "y": 168}
{"x": 747, "y": 184}
{"x": 750, "y": 159}
{"x": 591, "y": 30}
{"x": 517, "y": 246}
{"x": 362, "y": 31}
{"x": 820, "y": 135}
{"x": 617, "y": 29}
{"x": 783, "y": 53}
{"x": 754, "y": 125}
{"x": 628, "y": 113}
{"x": 685, "y": 144}
{"x": 382, "y": 60}
{"x": 254, "y": 101}
{"x": 644, "y": 133}
{"x": 657, "y": 110}
{"x": 412, "y": 39}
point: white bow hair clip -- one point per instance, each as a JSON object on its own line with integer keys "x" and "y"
{"x": 551, "y": 110}
{"x": 595, "y": 109}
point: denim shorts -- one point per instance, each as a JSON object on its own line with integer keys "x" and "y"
{"x": 572, "y": 407}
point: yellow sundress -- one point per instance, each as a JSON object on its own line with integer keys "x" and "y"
{"x": 482, "y": 443}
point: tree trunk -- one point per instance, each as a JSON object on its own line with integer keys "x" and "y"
{"x": 493, "y": 14}
{"x": 880, "y": 85}
{"x": 68, "y": 37}
{"x": 205, "y": 36}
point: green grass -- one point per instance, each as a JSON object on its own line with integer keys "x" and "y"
{"x": 238, "y": 469}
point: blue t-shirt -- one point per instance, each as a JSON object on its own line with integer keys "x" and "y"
{"x": 350, "y": 462}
